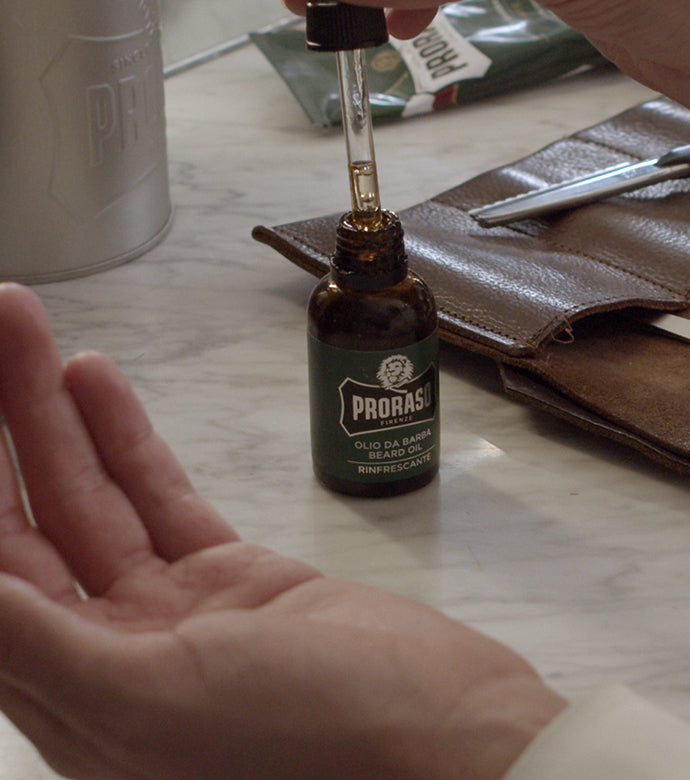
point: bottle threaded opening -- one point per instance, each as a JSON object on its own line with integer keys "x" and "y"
{"x": 369, "y": 257}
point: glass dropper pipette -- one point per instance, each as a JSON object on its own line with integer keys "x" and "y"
{"x": 348, "y": 30}
{"x": 359, "y": 139}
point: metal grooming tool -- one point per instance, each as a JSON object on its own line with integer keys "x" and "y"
{"x": 627, "y": 177}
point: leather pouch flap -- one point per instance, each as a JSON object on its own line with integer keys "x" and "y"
{"x": 513, "y": 288}
{"x": 553, "y": 299}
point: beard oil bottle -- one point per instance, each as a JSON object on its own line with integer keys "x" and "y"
{"x": 373, "y": 366}
{"x": 372, "y": 325}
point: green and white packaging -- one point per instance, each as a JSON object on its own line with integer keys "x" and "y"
{"x": 473, "y": 49}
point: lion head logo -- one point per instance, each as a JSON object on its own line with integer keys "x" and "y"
{"x": 394, "y": 371}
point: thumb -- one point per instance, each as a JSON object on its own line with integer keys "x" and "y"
{"x": 46, "y": 648}
{"x": 42, "y": 646}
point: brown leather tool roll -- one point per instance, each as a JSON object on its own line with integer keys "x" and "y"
{"x": 556, "y": 300}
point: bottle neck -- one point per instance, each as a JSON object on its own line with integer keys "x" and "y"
{"x": 366, "y": 258}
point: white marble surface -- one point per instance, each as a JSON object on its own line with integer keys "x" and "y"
{"x": 570, "y": 549}
{"x": 194, "y": 29}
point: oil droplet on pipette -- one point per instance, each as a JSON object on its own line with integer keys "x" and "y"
{"x": 364, "y": 188}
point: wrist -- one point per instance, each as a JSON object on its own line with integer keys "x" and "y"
{"x": 494, "y": 723}
{"x": 482, "y": 735}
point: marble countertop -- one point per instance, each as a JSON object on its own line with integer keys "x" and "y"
{"x": 573, "y": 550}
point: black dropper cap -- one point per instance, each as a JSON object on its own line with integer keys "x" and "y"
{"x": 334, "y": 26}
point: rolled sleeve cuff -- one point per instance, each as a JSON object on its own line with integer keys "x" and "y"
{"x": 610, "y": 735}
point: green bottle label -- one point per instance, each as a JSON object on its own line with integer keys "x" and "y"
{"x": 374, "y": 415}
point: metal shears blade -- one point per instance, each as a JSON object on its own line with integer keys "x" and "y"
{"x": 674, "y": 164}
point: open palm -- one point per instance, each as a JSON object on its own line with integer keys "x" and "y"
{"x": 141, "y": 638}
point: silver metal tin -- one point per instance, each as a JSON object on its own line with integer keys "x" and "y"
{"x": 83, "y": 162}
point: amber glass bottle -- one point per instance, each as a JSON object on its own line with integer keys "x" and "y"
{"x": 373, "y": 366}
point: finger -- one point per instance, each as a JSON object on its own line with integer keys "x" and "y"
{"x": 588, "y": 15}
{"x": 76, "y": 680}
{"x": 63, "y": 750}
{"x": 178, "y": 520}
{"x": 399, "y": 5}
{"x": 407, "y": 24}
{"x": 63, "y": 658}
{"x": 51, "y": 663}
{"x": 24, "y": 551}
{"x": 74, "y": 502}
{"x": 298, "y": 7}
{"x": 406, "y": 20}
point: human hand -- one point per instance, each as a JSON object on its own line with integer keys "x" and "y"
{"x": 650, "y": 41}
{"x": 189, "y": 653}
{"x": 405, "y": 18}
